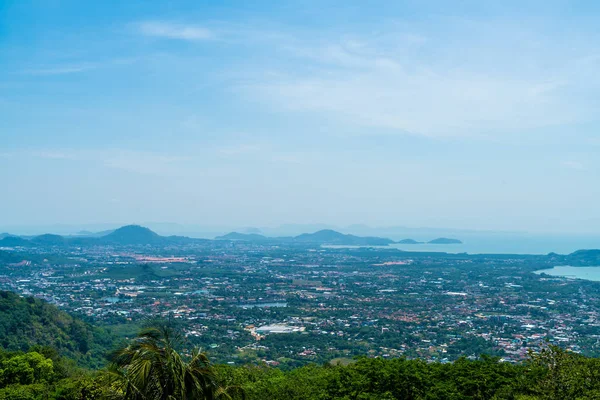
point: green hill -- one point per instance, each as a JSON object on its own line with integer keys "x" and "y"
{"x": 132, "y": 234}
{"x": 584, "y": 257}
{"x": 26, "y": 322}
{"x": 14, "y": 241}
{"x": 7, "y": 257}
{"x": 49, "y": 240}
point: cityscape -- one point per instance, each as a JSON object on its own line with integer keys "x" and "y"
{"x": 292, "y": 304}
{"x": 299, "y": 200}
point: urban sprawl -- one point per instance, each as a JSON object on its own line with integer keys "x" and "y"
{"x": 288, "y": 305}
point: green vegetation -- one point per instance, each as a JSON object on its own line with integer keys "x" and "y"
{"x": 152, "y": 367}
{"x": 28, "y": 322}
{"x": 7, "y": 257}
{"x": 42, "y": 374}
{"x": 552, "y": 374}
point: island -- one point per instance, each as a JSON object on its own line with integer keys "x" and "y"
{"x": 444, "y": 241}
{"x": 408, "y": 241}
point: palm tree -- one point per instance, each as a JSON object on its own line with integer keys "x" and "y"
{"x": 150, "y": 368}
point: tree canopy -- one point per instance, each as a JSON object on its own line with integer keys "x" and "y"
{"x": 159, "y": 365}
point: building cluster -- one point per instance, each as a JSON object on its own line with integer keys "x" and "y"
{"x": 296, "y": 304}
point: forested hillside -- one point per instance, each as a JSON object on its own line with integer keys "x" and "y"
{"x": 28, "y": 321}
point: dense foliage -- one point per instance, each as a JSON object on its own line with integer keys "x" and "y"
{"x": 148, "y": 369}
{"x": 553, "y": 374}
{"x": 151, "y": 368}
{"x": 42, "y": 374}
{"x": 28, "y": 321}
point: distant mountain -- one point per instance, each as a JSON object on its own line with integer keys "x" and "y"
{"x": 104, "y": 233}
{"x": 289, "y": 230}
{"x": 584, "y": 257}
{"x": 41, "y": 240}
{"x": 49, "y": 240}
{"x": 408, "y": 241}
{"x": 132, "y": 234}
{"x": 324, "y": 236}
{"x": 444, "y": 241}
{"x": 247, "y": 237}
{"x": 14, "y": 241}
{"x": 85, "y": 233}
{"x": 585, "y": 253}
{"x": 329, "y": 236}
{"x": 136, "y": 235}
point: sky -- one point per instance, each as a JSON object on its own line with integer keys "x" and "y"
{"x": 463, "y": 114}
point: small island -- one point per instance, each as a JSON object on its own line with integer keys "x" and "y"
{"x": 408, "y": 241}
{"x": 445, "y": 241}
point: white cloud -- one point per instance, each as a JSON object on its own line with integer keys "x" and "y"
{"x": 423, "y": 102}
{"x": 169, "y": 30}
{"x": 576, "y": 165}
{"x": 426, "y": 86}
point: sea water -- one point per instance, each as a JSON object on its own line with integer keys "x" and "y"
{"x": 567, "y": 271}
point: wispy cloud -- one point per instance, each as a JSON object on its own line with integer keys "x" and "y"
{"x": 61, "y": 69}
{"x": 411, "y": 83}
{"x": 170, "y": 30}
{"x": 77, "y": 67}
{"x": 59, "y": 155}
{"x": 424, "y": 103}
{"x": 145, "y": 162}
{"x": 419, "y": 100}
{"x": 141, "y": 162}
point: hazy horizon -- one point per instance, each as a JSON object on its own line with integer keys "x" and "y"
{"x": 275, "y": 229}
{"x": 473, "y": 241}
{"x": 473, "y": 116}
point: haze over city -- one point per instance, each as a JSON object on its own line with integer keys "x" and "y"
{"x": 463, "y": 115}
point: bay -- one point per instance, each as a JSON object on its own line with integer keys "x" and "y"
{"x": 567, "y": 271}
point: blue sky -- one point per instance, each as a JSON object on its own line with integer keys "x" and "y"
{"x": 463, "y": 114}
